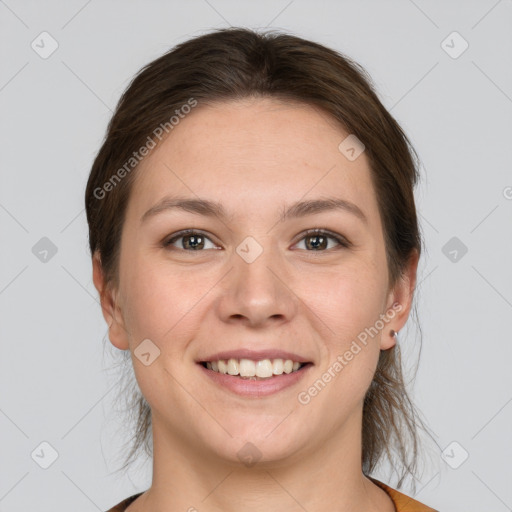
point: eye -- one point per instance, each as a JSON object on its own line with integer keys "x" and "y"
{"x": 318, "y": 239}
{"x": 191, "y": 240}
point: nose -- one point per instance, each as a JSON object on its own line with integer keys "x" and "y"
{"x": 257, "y": 293}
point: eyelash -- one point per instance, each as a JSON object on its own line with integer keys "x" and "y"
{"x": 342, "y": 241}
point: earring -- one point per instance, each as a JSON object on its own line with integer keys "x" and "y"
{"x": 393, "y": 333}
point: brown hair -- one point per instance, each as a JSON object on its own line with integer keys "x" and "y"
{"x": 236, "y": 63}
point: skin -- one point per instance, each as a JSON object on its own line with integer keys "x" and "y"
{"x": 254, "y": 156}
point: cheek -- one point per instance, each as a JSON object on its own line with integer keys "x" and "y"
{"x": 162, "y": 305}
{"x": 149, "y": 307}
{"x": 348, "y": 300}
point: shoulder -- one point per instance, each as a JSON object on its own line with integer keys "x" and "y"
{"x": 402, "y": 502}
{"x": 120, "y": 507}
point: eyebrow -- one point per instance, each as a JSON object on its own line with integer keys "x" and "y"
{"x": 216, "y": 209}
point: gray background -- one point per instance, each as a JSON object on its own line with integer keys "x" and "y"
{"x": 57, "y": 383}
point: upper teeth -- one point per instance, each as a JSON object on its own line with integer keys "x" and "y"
{"x": 250, "y": 368}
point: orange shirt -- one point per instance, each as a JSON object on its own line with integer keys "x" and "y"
{"x": 402, "y": 502}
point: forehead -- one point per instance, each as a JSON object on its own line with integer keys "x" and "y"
{"x": 254, "y": 153}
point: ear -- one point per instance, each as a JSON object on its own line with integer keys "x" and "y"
{"x": 400, "y": 301}
{"x": 112, "y": 314}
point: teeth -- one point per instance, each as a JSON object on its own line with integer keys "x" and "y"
{"x": 233, "y": 367}
{"x": 277, "y": 367}
{"x": 247, "y": 368}
{"x": 264, "y": 368}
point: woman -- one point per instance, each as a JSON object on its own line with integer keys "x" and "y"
{"x": 255, "y": 244}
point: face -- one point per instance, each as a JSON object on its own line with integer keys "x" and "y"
{"x": 249, "y": 282}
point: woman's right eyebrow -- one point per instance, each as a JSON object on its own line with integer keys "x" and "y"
{"x": 215, "y": 209}
{"x": 199, "y": 206}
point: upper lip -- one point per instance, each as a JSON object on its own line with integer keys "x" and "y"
{"x": 255, "y": 355}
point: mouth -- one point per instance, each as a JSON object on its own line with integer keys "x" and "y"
{"x": 250, "y": 369}
{"x": 254, "y": 378}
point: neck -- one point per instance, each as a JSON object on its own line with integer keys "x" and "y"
{"x": 326, "y": 475}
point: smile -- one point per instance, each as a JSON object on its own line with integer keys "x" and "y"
{"x": 251, "y": 378}
{"x": 251, "y": 369}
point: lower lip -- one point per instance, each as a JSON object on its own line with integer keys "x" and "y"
{"x": 256, "y": 388}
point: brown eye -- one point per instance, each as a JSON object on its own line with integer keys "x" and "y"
{"x": 318, "y": 240}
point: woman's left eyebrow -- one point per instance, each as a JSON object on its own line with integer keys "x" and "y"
{"x": 215, "y": 209}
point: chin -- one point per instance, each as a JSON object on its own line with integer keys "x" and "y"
{"x": 258, "y": 443}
